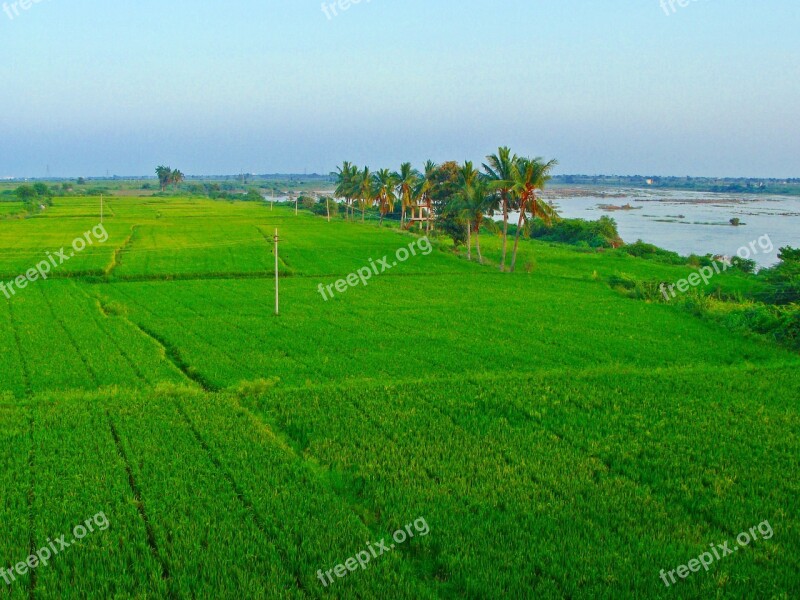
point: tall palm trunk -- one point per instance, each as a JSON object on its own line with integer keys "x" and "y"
{"x": 505, "y": 233}
{"x": 516, "y": 239}
{"x": 478, "y": 240}
{"x": 469, "y": 240}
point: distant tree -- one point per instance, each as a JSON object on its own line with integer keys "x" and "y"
{"x": 345, "y": 178}
{"x": 384, "y": 185}
{"x": 26, "y": 194}
{"x": 407, "y": 179}
{"x": 789, "y": 254}
{"x": 529, "y": 176}
{"x": 498, "y": 169}
{"x": 164, "y": 176}
{"x": 254, "y": 196}
{"x": 471, "y": 204}
{"x": 81, "y": 181}
{"x": 42, "y": 191}
{"x": 365, "y": 191}
{"x": 735, "y": 222}
{"x": 176, "y": 178}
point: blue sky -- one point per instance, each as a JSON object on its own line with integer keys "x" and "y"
{"x": 612, "y": 86}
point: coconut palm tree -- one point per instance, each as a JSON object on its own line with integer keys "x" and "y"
{"x": 529, "y": 177}
{"x": 176, "y": 178}
{"x": 345, "y": 178}
{"x": 472, "y": 203}
{"x": 407, "y": 179}
{"x": 425, "y": 186}
{"x": 365, "y": 191}
{"x": 384, "y": 185}
{"x": 499, "y": 173}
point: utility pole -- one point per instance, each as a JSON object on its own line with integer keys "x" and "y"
{"x": 328, "y": 206}
{"x": 295, "y": 205}
{"x": 277, "y": 295}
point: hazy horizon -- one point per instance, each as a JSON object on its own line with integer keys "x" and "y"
{"x": 269, "y": 87}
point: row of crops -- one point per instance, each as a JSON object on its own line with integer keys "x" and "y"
{"x": 401, "y": 327}
{"x": 55, "y": 336}
{"x": 551, "y": 486}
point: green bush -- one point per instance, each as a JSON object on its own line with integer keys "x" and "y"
{"x": 578, "y": 232}
{"x": 641, "y": 249}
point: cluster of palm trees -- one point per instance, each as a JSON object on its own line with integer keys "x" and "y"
{"x": 384, "y": 188}
{"x": 507, "y": 184}
{"x": 167, "y": 176}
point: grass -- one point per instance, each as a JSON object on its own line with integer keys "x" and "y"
{"x": 561, "y": 441}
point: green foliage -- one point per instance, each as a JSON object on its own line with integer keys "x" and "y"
{"x": 253, "y": 196}
{"x": 641, "y": 249}
{"x": 34, "y": 196}
{"x": 579, "y": 232}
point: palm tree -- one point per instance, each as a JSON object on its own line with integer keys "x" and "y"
{"x": 164, "y": 175}
{"x": 422, "y": 193}
{"x": 365, "y": 191}
{"x": 176, "y": 177}
{"x": 529, "y": 177}
{"x": 407, "y": 179}
{"x": 499, "y": 174}
{"x": 472, "y": 203}
{"x": 345, "y": 178}
{"x": 384, "y": 183}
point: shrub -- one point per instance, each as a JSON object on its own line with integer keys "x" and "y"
{"x": 641, "y": 249}
{"x": 578, "y": 232}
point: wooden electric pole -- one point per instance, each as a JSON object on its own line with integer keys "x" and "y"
{"x": 277, "y": 294}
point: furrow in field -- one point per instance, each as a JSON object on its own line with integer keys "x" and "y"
{"x": 13, "y": 368}
{"x": 80, "y": 481}
{"x": 206, "y": 360}
{"x": 76, "y": 348}
{"x": 314, "y": 526}
{"x": 258, "y": 520}
{"x": 53, "y": 362}
{"x": 15, "y": 473}
{"x": 32, "y": 505}
{"x": 207, "y": 537}
{"x": 137, "y": 496}
{"x": 116, "y": 258}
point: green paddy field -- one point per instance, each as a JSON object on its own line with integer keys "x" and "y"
{"x": 559, "y": 439}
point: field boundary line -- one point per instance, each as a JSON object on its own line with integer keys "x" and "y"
{"x": 151, "y": 536}
{"x": 98, "y": 305}
{"x": 71, "y": 338}
{"x": 31, "y": 503}
{"x": 26, "y": 377}
{"x": 172, "y": 353}
{"x": 237, "y": 489}
{"x": 116, "y": 258}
